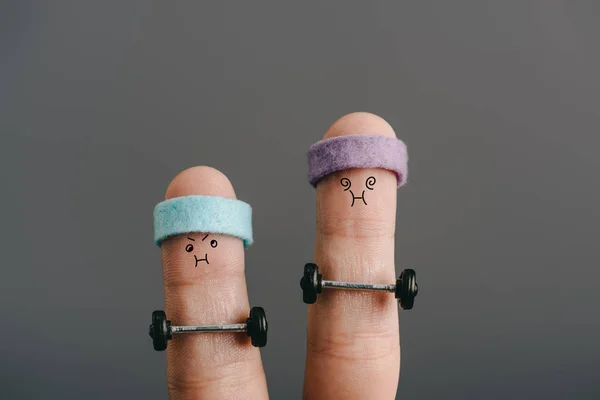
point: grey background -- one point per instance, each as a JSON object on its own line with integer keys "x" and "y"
{"x": 102, "y": 103}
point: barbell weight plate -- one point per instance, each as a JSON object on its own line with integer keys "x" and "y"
{"x": 257, "y": 327}
{"x": 406, "y": 288}
{"x": 159, "y": 330}
{"x": 407, "y": 304}
{"x": 310, "y": 283}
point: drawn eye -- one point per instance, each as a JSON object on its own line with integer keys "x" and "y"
{"x": 345, "y": 182}
{"x": 189, "y": 248}
{"x": 213, "y": 243}
{"x": 370, "y": 182}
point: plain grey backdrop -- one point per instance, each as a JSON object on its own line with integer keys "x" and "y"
{"x": 102, "y": 103}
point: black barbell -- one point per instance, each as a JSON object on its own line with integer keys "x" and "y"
{"x": 405, "y": 289}
{"x": 161, "y": 329}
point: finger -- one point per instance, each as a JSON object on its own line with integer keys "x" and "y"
{"x": 205, "y": 292}
{"x": 353, "y": 347}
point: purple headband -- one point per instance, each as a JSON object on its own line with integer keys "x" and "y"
{"x": 357, "y": 151}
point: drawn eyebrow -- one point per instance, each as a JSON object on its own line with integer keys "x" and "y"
{"x": 193, "y": 240}
{"x": 205, "y": 237}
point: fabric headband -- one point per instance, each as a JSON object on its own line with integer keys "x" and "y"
{"x": 357, "y": 151}
{"x": 210, "y": 214}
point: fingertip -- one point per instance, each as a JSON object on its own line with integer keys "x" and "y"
{"x": 200, "y": 180}
{"x": 360, "y": 123}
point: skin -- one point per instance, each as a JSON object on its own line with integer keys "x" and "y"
{"x": 223, "y": 366}
{"x": 353, "y": 344}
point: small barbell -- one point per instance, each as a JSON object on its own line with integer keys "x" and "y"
{"x": 405, "y": 289}
{"x": 161, "y": 330}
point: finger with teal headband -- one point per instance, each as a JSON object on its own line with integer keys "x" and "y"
{"x": 202, "y": 231}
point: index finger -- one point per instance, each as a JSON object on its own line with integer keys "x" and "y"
{"x": 204, "y": 284}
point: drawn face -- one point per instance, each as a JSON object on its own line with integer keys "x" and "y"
{"x": 346, "y": 184}
{"x": 199, "y": 247}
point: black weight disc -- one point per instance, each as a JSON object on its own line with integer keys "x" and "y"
{"x": 310, "y": 283}
{"x": 159, "y": 330}
{"x": 406, "y": 288}
{"x": 408, "y": 303}
{"x": 257, "y": 327}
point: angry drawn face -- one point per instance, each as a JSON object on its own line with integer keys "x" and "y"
{"x": 199, "y": 246}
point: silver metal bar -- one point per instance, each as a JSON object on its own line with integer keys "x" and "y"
{"x": 359, "y": 286}
{"x": 210, "y": 328}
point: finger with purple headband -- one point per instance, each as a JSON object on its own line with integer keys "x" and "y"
{"x": 353, "y": 344}
{"x": 208, "y": 328}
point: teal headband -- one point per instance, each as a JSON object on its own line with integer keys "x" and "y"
{"x": 210, "y": 214}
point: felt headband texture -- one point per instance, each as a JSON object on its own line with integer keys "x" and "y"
{"x": 357, "y": 151}
{"x": 210, "y": 214}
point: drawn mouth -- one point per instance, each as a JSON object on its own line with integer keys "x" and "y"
{"x": 354, "y": 197}
{"x": 205, "y": 259}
